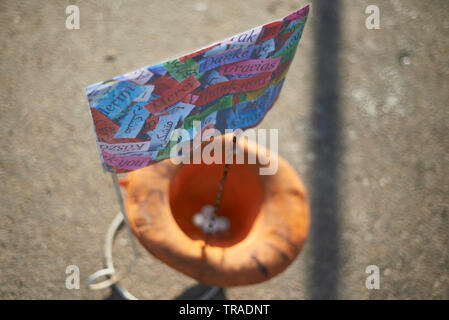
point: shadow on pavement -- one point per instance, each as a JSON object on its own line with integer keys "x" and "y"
{"x": 195, "y": 291}
{"x": 325, "y": 145}
{"x": 191, "y": 293}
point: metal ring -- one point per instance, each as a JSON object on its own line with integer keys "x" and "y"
{"x": 109, "y": 271}
{"x": 96, "y": 275}
{"x": 114, "y": 278}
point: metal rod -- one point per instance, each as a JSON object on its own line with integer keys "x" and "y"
{"x": 109, "y": 271}
{"x": 123, "y": 211}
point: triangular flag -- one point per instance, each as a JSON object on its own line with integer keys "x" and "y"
{"x": 226, "y": 86}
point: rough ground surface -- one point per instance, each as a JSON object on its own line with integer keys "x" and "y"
{"x": 363, "y": 118}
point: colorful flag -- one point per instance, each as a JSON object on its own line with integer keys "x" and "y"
{"x": 227, "y": 86}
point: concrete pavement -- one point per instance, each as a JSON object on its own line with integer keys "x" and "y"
{"x": 363, "y": 118}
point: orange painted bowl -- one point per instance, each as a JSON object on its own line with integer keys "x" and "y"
{"x": 268, "y": 215}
